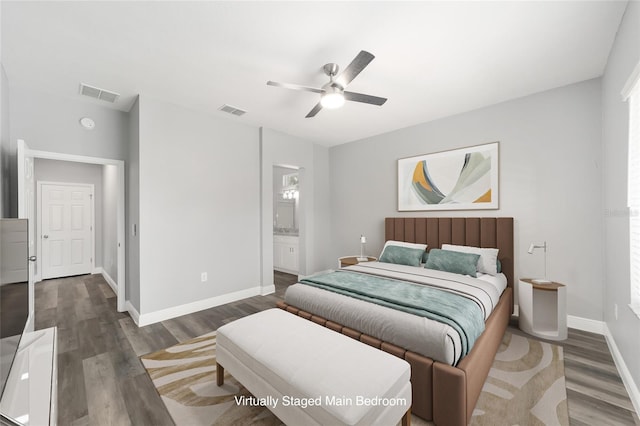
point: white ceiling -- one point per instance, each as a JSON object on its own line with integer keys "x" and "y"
{"x": 433, "y": 59}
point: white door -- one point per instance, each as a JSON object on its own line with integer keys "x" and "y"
{"x": 26, "y": 210}
{"x": 66, "y": 229}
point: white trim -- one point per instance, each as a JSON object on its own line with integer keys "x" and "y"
{"x": 633, "y": 79}
{"x": 108, "y": 279}
{"x": 625, "y": 374}
{"x": 74, "y": 158}
{"x": 121, "y": 293}
{"x": 268, "y": 289}
{"x": 600, "y": 327}
{"x": 634, "y": 309}
{"x": 133, "y": 312}
{"x": 578, "y": 323}
{"x": 586, "y": 324}
{"x": 286, "y": 271}
{"x": 30, "y": 324}
{"x": 188, "y": 308}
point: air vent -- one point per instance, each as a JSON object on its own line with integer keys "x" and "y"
{"x": 232, "y": 110}
{"x": 97, "y": 93}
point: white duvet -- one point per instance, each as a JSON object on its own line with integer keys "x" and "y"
{"x": 430, "y": 338}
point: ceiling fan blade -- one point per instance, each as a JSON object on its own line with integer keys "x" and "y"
{"x": 354, "y": 68}
{"x": 294, "y": 87}
{"x": 367, "y": 99}
{"x": 316, "y": 109}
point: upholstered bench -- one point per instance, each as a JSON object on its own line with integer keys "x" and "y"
{"x": 307, "y": 374}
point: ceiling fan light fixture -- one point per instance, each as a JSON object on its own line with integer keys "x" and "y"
{"x": 333, "y": 99}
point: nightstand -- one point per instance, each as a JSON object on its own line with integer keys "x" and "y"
{"x": 353, "y": 260}
{"x": 543, "y": 309}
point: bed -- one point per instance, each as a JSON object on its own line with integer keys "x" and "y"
{"x": 443, "y": 393}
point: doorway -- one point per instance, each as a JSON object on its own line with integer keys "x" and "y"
{"x": 286, "y": 220}
{"x": 26, "y": 190}
{"x": 66, "y": 226}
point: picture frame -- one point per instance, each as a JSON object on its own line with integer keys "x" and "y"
{"x": 458, "y": 179}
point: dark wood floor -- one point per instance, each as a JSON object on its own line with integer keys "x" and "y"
{"x": 101, "y": 380}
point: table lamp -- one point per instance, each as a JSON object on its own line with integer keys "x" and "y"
{"x": 532, "y": 247}
{"x": 362, "y": 257}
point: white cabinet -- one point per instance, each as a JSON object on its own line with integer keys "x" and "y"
{"x": 285, "y": 253}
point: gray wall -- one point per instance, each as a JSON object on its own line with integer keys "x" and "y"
{"x": 70, "y": 172}
{"x": 550, "y": 182}
{"x": 199, "y": 206}
{"x": 615, "y": 251}
{"x": 132, "y": 214}
{"x": 51, "y": 123}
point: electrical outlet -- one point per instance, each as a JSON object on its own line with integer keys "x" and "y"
{"x": 615, "y": 311}
{"x": 203, "y": 277}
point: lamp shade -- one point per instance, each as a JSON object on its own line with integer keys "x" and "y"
{"x": 332, "y": 98}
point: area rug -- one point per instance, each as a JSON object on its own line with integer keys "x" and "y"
{"x": 525, "y": 386}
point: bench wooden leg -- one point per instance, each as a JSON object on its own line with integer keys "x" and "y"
{"x": 406, "y": 419}
{"x": 220, "y": 375}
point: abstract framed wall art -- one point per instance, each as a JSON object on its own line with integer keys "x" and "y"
{"x": 459, "y": 179}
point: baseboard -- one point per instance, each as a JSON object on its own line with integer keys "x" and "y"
{"x": 133, "y": 312}
{"x": 97, "y": 270}
{"x": 579, "y": 323}
{"x": 109, "y": 280}
{"x": 600, "y": 327}
{"x": 189, "y": 308}
{"x": 286, "y": 271}
{"x": 586, "y": 324}
{"x": 625, "y": 374}
{"x": 268, "y": 290}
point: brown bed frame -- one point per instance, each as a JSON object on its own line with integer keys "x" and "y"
{"x": 441, "y": 393}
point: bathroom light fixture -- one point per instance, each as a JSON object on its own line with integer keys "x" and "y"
{"x": 363, "y": 241}
{"x": 333, "y": 98}
{"x": 290, "y": 195}
{"x": 532, "y": 247}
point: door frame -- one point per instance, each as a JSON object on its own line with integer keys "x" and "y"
{"x": 39, "y": 221}
{"x": 120, "y": 204}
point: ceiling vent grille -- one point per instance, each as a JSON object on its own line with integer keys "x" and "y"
{"x": 232, "y": 110}
{"x": 97, "y": 93}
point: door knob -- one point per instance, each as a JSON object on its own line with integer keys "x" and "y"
{"x": 32, "y": 258}
{"x": 45, "y": 236}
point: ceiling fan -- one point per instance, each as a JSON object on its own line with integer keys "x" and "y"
{"x": 332, "y": 94}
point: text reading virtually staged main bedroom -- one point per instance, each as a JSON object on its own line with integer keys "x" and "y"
{"x": 320, "y": 213}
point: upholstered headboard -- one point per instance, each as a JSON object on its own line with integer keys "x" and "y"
{"x": 496, "y": 232}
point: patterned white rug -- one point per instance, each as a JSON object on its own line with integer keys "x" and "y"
{"x": 525, "y": 386}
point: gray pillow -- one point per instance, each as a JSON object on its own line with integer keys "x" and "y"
{"x": 401, "y": 255}
{"x": 453, "y": 261}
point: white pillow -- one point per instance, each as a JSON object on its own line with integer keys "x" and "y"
{"x": 402, "y": 244}
{"x": 488, "y": 261}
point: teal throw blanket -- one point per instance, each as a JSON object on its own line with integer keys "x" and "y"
{"x": 464, "y": 315}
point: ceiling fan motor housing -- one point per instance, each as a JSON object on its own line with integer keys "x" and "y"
{"x": 331, "y": 69}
